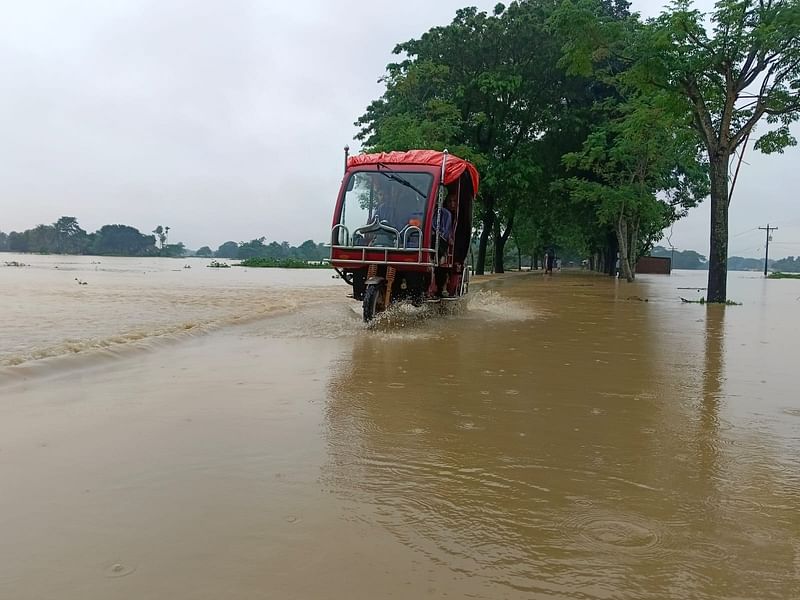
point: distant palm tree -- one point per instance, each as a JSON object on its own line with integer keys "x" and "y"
{"x": 161, "y": 233}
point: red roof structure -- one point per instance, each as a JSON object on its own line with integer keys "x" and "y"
{"x": 454, "y": 167}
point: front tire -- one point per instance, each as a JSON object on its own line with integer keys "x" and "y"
{"x": 373, "y": 301}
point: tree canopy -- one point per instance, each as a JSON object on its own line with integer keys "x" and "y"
{"x": 65, "y": 236}
{"x": 728, "y": 71}
{"x": 495, "y": 89}
{"x": 592, "y": 128}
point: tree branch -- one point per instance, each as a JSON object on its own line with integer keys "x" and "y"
{"x": 783, "y": 111}
{"x": 703, "y": 117}
{"x": 695, "y": 40}
{"x": 748, "y": 126}
{"x": 782, "y": 75}
{"x": 746, "y": 66}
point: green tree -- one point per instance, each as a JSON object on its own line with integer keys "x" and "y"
{"x": 787, "y": 265}
{"x": 204, "y": 252}
{"x": 682, "y": 259}
{"x": 636, "y": 153}
{"x": 3, "y": 241}
{"x": 42, "y": 238}
{"x": 123, "y": 240}
{"x": 277, "y": 251}
{"x": 17, "y": 242}
{"x": 227, "y": 250}
{"x": 478, "y": 86}
{"x": 739, "y": 263}
{"x": 308, "y": 250}
{"x": 741, "y": 71}
{"x": 747, "y": 69}
{"x": 253, "y": 249}
{"x": 70, "y": 238}
{"x": 162, "y": 234}
{"x": 490, "y": 88}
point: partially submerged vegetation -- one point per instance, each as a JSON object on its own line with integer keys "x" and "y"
{"x": 703, "y": 301}
{"x": 779, "y": 275}
{"x": 285, "y": 263}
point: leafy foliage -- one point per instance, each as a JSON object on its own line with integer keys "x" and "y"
{"x": 273, "y": 253}
{"x": 65, "y": 236}
{"x": 739, "y": 263}
{"x": 787, "y": 265}
{"x": 285, "y": 263}
{"x": 227, "y": 250}
{"x": 487, "y": 87}
{"x": 741, "y": 70}
{"x": 781, "y": 275}
{"x": 641, "y": 171}
{"x": 682, "y": 259}
{"x": 122, "y": 240}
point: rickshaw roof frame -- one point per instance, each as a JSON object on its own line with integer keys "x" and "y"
{"x": 454, "y": 166}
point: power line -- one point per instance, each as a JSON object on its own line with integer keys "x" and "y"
{"x": 743, "y": 232}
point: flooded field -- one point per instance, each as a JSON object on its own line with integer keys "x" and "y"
{"x": 54, "y": 306}
{"x": 564, "y": 437}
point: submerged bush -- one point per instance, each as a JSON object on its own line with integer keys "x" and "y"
{"x": 283, "y": 263}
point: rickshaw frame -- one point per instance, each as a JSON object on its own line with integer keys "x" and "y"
{"x": 382, "y": 274}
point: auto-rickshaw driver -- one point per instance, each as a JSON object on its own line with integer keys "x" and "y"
{"x": 398, "y": 207}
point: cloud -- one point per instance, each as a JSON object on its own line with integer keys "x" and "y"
{"x": 224, "y": 120}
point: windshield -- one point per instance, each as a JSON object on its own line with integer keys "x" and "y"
{"x": 389, "y": 198}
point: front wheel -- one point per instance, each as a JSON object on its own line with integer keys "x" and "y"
{"x": 373, "y": 301}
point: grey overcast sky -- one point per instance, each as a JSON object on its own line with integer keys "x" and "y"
{"x": 226, "y": 119}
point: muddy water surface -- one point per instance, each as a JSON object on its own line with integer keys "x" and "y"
{"x": 564, "y": 437}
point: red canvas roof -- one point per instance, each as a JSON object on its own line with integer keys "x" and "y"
{"x": 454, "y": 167}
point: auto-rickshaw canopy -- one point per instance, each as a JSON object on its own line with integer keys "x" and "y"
{"x": 454, "y": 166}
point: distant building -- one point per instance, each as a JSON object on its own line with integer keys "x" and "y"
{"x": 657, "y": 265}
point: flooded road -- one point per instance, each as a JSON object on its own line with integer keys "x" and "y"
{"x": 565, "y": 437}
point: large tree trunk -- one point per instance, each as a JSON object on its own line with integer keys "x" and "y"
{"x": 483, "y": 243}
{"x": 625, "y": 250}
{"x": 500, "y": 244}
{"x": 495, "y": 243}
{"x": 488, "y": 224}
{"x": 610, "y": 258}
{"x": 718, "y": 251}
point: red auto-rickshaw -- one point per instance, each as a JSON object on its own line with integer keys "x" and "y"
{"x": 402, "y": 227}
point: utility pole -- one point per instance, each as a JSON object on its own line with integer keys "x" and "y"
{"x": 671, "y": 257}
{"x": 766, "y": 250}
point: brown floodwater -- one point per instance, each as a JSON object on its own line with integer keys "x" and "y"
{"x": 562, "y": 437}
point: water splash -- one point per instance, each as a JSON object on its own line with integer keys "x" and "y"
{"x": 490, "y": 305}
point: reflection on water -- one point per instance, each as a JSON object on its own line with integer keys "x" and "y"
{"x": 708, "y": 444}
{"x": 578, "y": 448}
